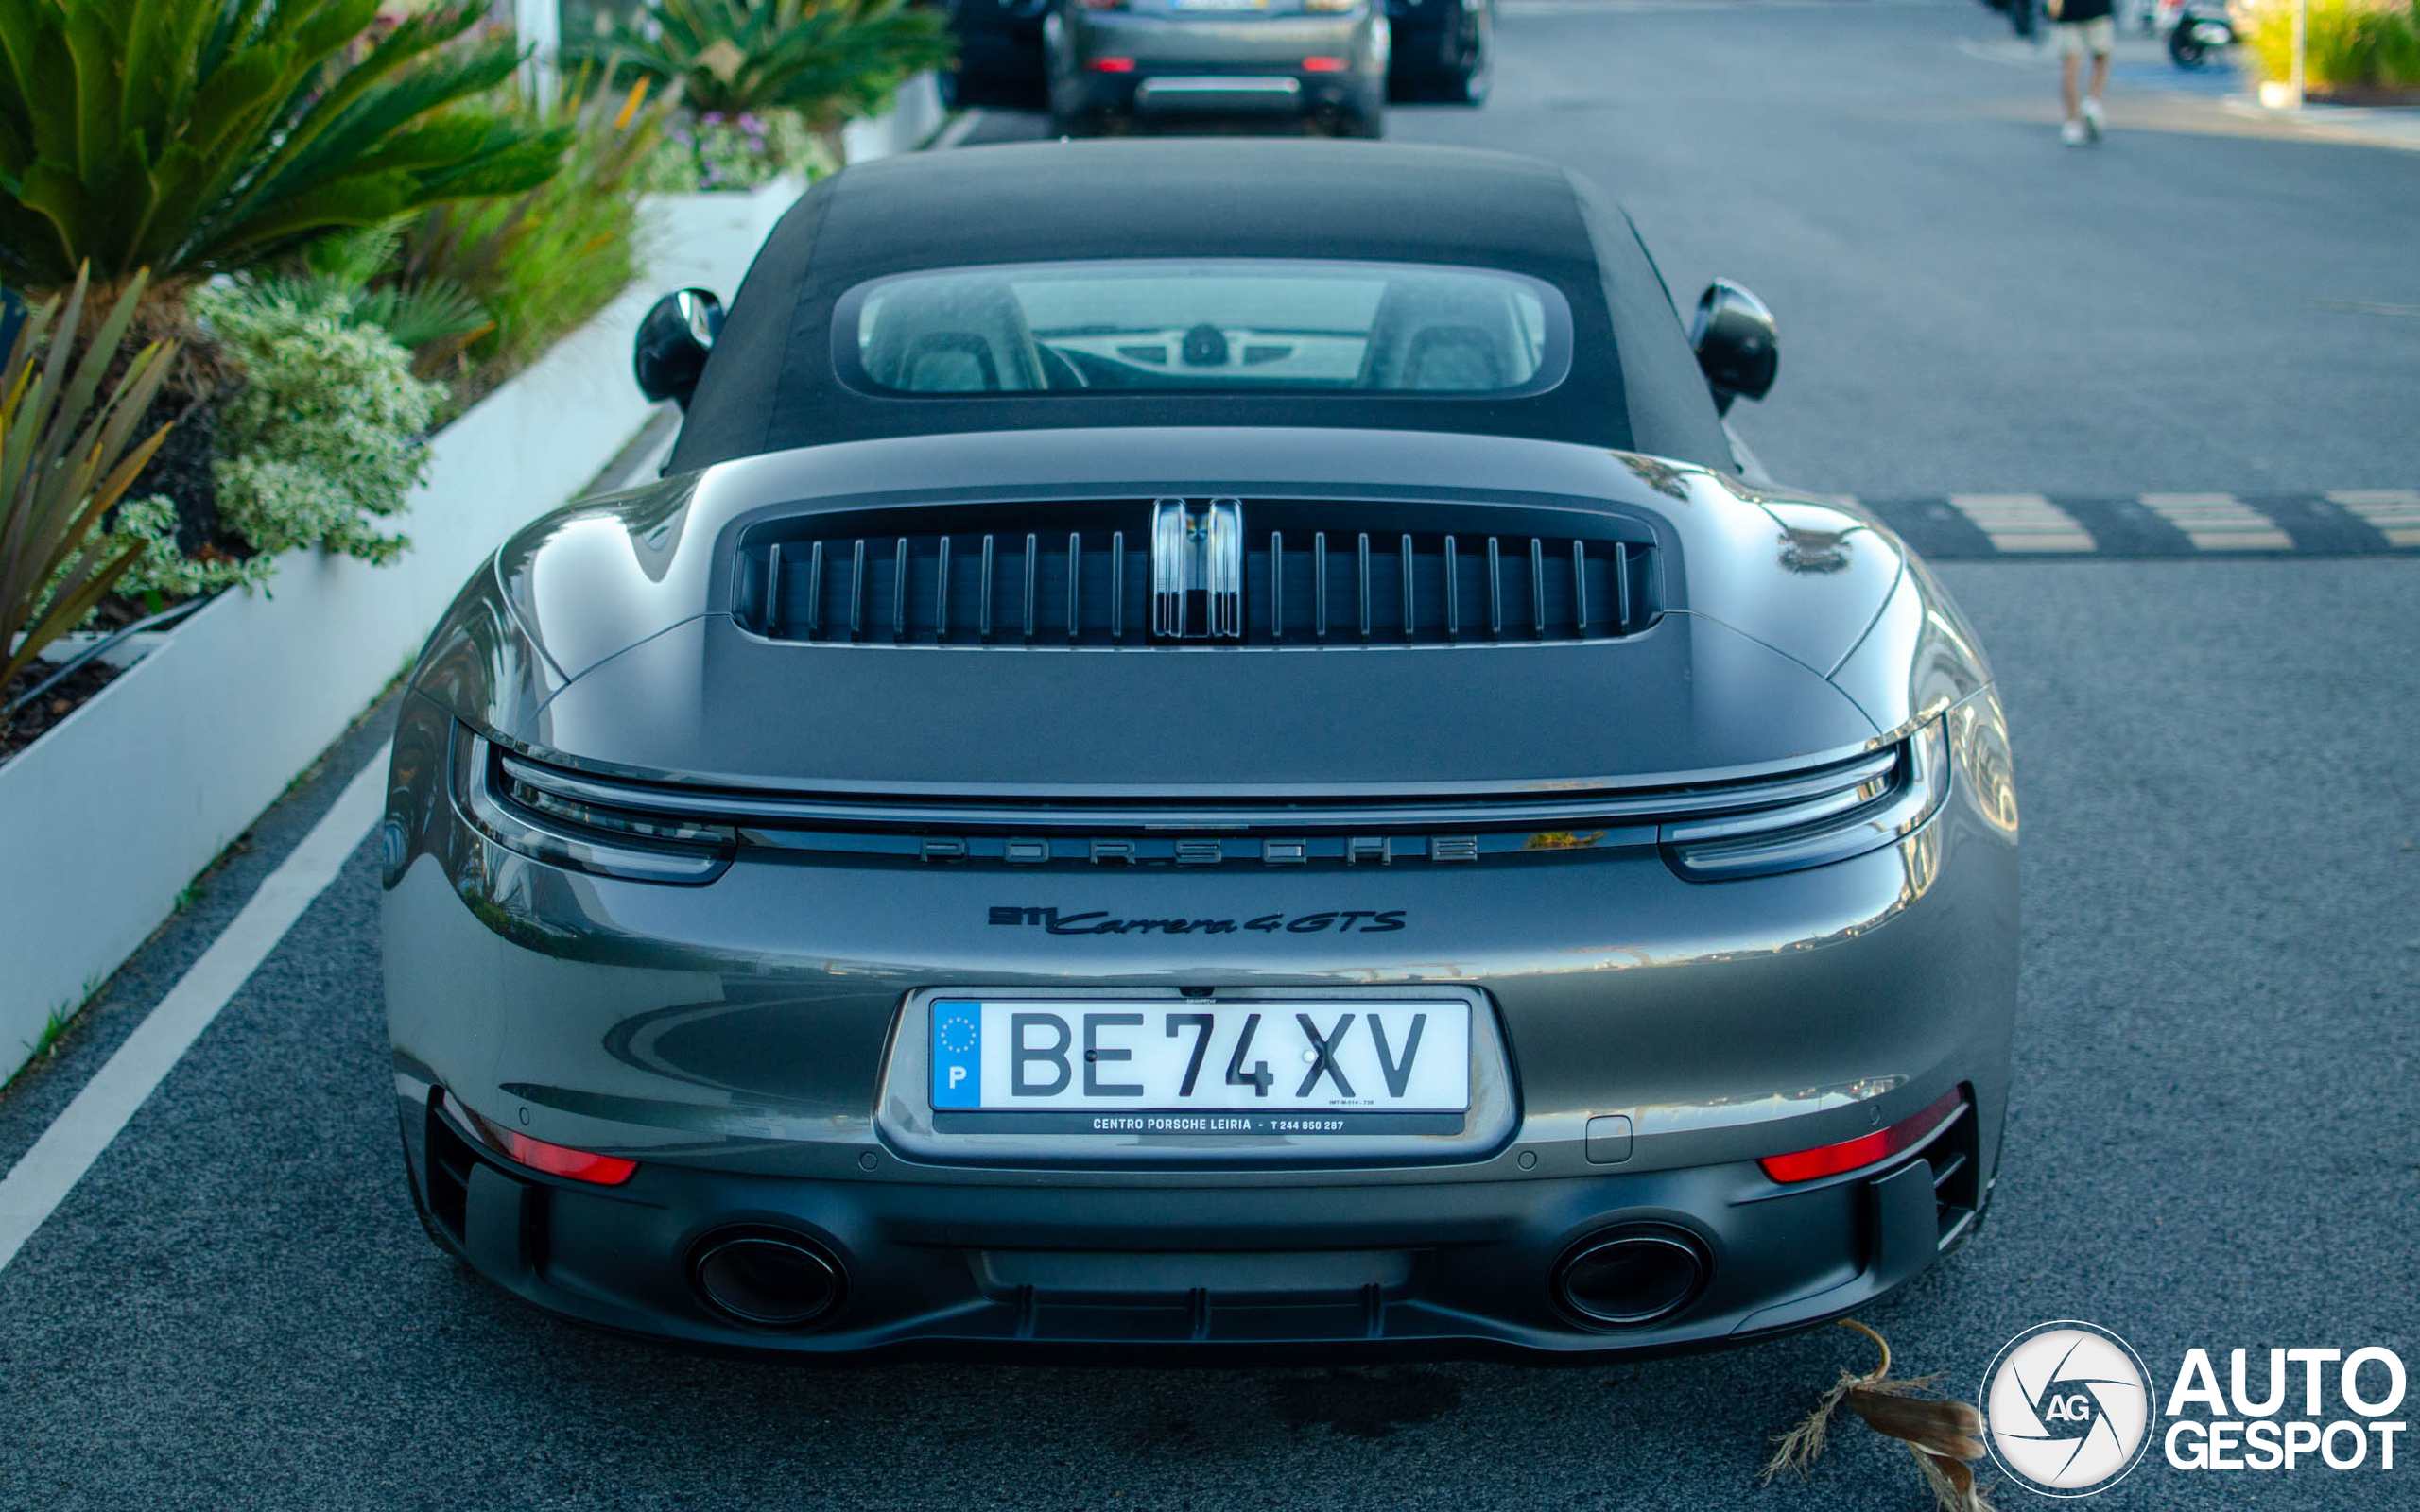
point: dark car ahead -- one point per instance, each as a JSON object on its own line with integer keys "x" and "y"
{"x": 1203, "y": 748}
{"x": 1118, "y": 64}
{"x": 1443, "y": 51}
{"x": 1000, "y": 56}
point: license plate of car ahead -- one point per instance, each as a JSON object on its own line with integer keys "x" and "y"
{"x": 1192, "y": 1066}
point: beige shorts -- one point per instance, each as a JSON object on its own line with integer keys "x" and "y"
{"x": 2077, "y": 38}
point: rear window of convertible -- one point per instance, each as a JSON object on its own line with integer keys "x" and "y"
{"x": 1232, "y": 326}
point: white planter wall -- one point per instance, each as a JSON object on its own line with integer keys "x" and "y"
{"x": 105, "y": 818}
{"x": 914, "y": 114}
{"x": 707, "y": 241}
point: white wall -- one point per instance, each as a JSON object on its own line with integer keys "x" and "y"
{"x": 105, "y": 820}
{"x": 914, "y": 114}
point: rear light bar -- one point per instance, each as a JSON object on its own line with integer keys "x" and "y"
{"x": 528, "y": 808}
{"x": 1112, "y": 65}
{"x": 1871, "y": 809}
{"x": 1866, "y": 1149}
{"x": 1323, "y": 65}
{"x": 554, "y": 1159}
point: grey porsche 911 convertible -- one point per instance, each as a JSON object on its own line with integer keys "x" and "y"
{"x": 1204, "y": 748}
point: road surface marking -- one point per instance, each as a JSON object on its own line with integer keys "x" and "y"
{"x": 957, "y": 131}
{"x": 2023, "y": 522}
{"x": 41, "y": 1181}
{"x": 2219, "y": 522}
{"x": 2409, "y": 312}
{"x": 2395, "y": 513}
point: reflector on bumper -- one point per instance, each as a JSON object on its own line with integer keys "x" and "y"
{"x": 1866, "y": 1149}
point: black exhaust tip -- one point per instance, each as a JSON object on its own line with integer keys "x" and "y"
{"x": 1621, "y": 1278}
{"x": 766, "y": 1277}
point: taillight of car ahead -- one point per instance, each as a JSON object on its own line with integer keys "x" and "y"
{"x": 1862, "y": 816}
{"x": 547, "y": 816}
{"x": 1104, "y": 4}
{"x": 1866, "y": 1149}
{"x": 1331, "y": 5}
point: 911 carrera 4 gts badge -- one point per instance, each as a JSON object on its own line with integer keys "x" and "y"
{"x": 1344, "y": 921}
{"x": 1198, "y": 570}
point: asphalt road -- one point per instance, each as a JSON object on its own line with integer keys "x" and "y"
{"x": 2210, "y": 1137}
{"x": 1965, "y": 304}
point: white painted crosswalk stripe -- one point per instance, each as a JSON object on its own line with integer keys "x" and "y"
{"x": 2395, "y": 513}
{"x": 2219, "y": 522}
{"x": 2023, "y": 522}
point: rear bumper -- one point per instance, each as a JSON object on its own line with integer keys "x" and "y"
{"x": 1447, "y": 1269}
{"x": 1218, "y": 94}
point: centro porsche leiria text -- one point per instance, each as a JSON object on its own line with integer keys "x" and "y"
{"x": 1204, "y": 748}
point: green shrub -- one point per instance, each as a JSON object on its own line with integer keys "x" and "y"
{"x": 200, "y": 136}
{"x": 2347, "y": 43}
{"x": 540, "y": 263}
{"x": 828, "y": 61}
{"x": 162, "y": 573}
{"x": 323, "y": 441}
{"x": 66, "y": 456}
{"x": 335, "y": 273}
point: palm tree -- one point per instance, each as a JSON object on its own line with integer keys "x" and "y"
{"x": 826, "y": 59}
{"x": 195, "y": 137}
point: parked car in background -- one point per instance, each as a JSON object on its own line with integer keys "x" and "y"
{"x": 1118, "y": 64}
{"x": 1444, "y": 50}
{"x": 999, "y": 54}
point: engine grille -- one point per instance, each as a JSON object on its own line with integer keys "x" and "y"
{"x": 1313, "y": 576}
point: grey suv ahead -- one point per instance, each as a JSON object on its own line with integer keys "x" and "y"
{"x": 1119, "y": 63}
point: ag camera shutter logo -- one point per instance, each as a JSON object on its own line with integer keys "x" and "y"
{"x": 2066, "y": 1408}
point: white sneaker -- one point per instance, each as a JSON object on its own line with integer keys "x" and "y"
{"x": 2072, "y": 133}
{"x": 2092, "y": 124}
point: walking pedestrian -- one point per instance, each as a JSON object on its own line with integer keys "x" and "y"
{"x": 2082, "y": 26}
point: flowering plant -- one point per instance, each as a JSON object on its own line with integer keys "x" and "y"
{"x": 716, "y": 151}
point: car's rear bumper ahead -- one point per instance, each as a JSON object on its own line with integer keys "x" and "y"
{"x": 1659, "y": 1038}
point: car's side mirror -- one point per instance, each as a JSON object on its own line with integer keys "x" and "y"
{"x": 673, "y": 342}
{"x": 1735, "y": 341}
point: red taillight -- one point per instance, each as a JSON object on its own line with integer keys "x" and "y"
{"x": 1323, "y": 65}
{"x": 1831, "y": 1159}
{"x": 1104, "y": 4}
{"x": 1112, "y": 65}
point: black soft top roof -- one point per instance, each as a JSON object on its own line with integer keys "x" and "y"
{"x": 771, "y": 383}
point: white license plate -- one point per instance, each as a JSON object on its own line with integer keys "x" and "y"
{"x": 1112, "y": 1066}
